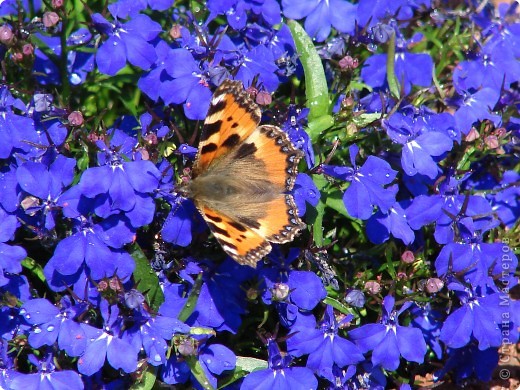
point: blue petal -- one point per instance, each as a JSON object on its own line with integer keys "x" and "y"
{"x": 39, "y": 311}
{"x": 95, "y": 181}
{"x": 307, "y": 289}
{"x": 386, "y": 353}
{"x": 411, "y": 343}
{"x": 457, "y": 328}
{"x": 120, "y": 354}
{"x": 139, "y": 52}
{"x": 72, "y": 338}
{"x": 34, "y": 178}
{"x": 111, "y": 56}
{"x": 142, "y": 175}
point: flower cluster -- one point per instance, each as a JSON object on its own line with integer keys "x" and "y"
{"x": 407, "y": 115}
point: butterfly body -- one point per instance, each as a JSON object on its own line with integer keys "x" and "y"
{"x": 242, "y": 177}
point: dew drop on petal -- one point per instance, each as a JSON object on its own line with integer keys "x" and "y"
{"x": 157, "y": 357}
{"x": 37, "y": 330}
{"x": 50, "y": 328}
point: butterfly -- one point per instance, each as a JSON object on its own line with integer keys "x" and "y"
{"x": 242, "y": 177}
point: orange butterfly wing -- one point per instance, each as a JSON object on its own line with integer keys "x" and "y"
{"x": 231, "y": 118}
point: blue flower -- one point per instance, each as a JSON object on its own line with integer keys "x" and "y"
{"x": 481, "y": 316}
{"x": 381, "y": 225}
{"x": 50, "y": 324}
{"x": 476, "y": 106}
{"x": 90, "y": 245}
{"x": 47, "y": 184}
{"x": 469, "y": 362}
{"x": 121, "y": 185}
{"x": 321, "y": 15}
{"x": 322, "y": 343}
{"x": 128, "y": 41}
{"x": 279, "y": 374}
{"x": 410, "y": 69}
{"x": 305, "y": 191}
{"x": 421, "y": 143}
{"x": 47, "y": 377}
{"x": 366, "y": 185}
{"x": 107, "y": 343}
{"x": 10, "y": 256}
{"x": 16, "y": 131}
{"x": 388, "y": 340}
{"x": 294, "y": 127}
{"x": 188, "y": 85}
{"x": 305, "y": 289}
{"x": 236, "y": 11}
{"x": 375, "y": 11}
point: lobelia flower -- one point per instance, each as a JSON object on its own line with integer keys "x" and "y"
{"x": 430, "y": 323}
{"x": 186, "y": 84}
{"x": 279, "y": 374}
{"x": 294, "y": 127}
{"x": 129, "y": 41}
{"x": 220, "y": 303}
{"x": 321, "y": 15}
{"x": 10, "y": 256}
{"x": 107, "y": 343}
{"x": 322, "y": 343}
{"x": 236, "y": 11}
{"x": 45, "y": 183}
{"x": 476, "y": 106}
{"x": 480, "y": 317}
{"x": 423, "y": 143}
{"x": 305, "y": 289}
{"x": 79, "y": 63}
{"x": 305, "y": 191}
{"x": 51, "y": 324}
{"x": 121, "y": 185}
{"x": 94, "y": 246}
{"x": 381, "y": 225}
{"x": 410, "y": 69}
{"x": 366, "y": 184}
{"x": 371, "y": 12}
{"x": 16, "y": 131}
{"x": 388, "y": 340}
{"x": 47, "y": 377}
{"x": 468, "y": 362}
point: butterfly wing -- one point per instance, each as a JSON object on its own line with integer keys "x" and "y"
{"x": 244, "y": 198}
{"x": 231, "y": 118}
{"x": 239, "y": 241}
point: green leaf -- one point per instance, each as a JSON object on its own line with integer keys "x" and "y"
{"x": 198, "y": 372}
{"x": 391, "y": 78}
{"x": 337, "y": 305}
{"x": 250, "y": 364}
{"x": 335, "y": 201}
{"x": 34, "y": 268}
{"x": 366, "y": 119}
{"x": 189, "y": 306}
{"x": 147, "y": 380}
{"x": 316, "y": 89}
{"x": 147, "y": 280}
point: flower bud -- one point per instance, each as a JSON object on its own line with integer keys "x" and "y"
{"x": 263, "y": 98}
{"x": 175, "y": 31}
{"x": 50, "y": 19}
{"x": 280, "y": 291}
{"x": 372, "y": 287}
{"x": 407, "y": 257}
{"x": 434, "y": 285}
{"x": 6, "y": 35}
{"x": 57, "y": 3}
{"x": 75, "y": 118}
{"x": 28, "y": 50}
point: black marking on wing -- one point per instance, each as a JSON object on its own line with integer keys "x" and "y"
{"x": 246, "y": 150}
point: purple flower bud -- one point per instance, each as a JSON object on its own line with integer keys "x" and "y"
{"x": 57, "y": 3}
{"x": 75, "y": 118}
{"x": 50, "y": 19}
{"x": 280, "y": 291}
{"x": 6, "y": 35}
{"x": 434, "y": 285}
{"x": 372, "y": 287}
{"x": 408, "y": 257}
